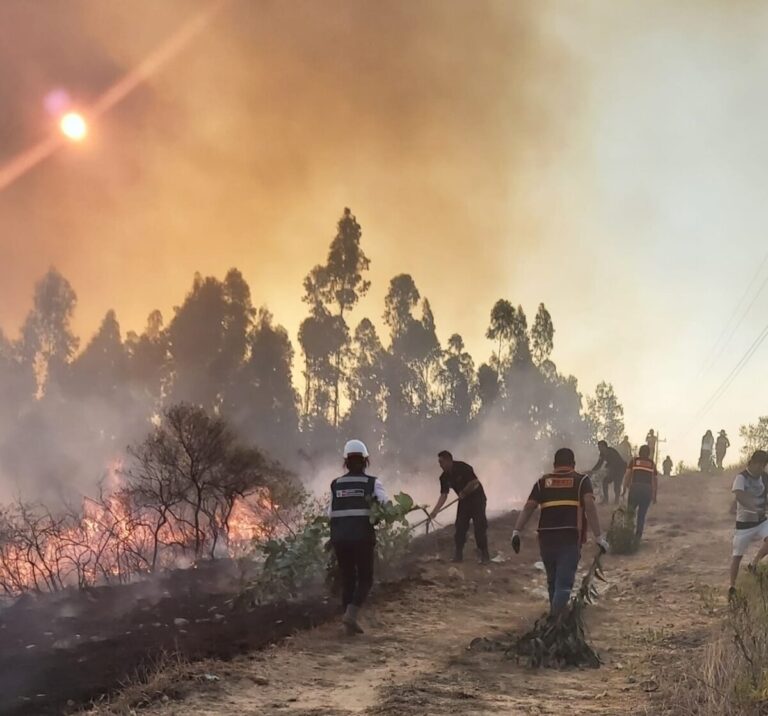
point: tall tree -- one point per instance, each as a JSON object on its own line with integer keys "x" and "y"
{"x": 606, "y": 414}
{"x": 488, "y": 387}
{"x": 262, "y": 401}
{"x": 366, "y": 384}
{"x": 102, "y": 368}
{"x": 148, "y": 359}
{"x": 47, "y": 341}
{"x": 208, "y": 337}
{"x": 337, "y": 287}
{"x": 521, "y": 356}
{"x": 457, "y": 381}
{"x": 17, "y": 385}
{"x": 542, "y": 336}
{"x": 322, "y": 336}
{"x": 501, "y": 330}
{"x": 414, "y": 346}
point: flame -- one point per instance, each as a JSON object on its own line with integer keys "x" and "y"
{"x": 112, "y": 540}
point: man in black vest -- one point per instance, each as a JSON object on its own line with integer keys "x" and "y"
{"x": 461, "y": 478}
{"x": 352, "y": 534}
{"x": 642, "y": 483}
{"x": 567, "y": 505}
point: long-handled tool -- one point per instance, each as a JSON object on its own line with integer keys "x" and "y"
{"x": 429, "y": 518}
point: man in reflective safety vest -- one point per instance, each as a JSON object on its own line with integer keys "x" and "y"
{"x": 642, "y": 481}
{"x": 567, "y": 506}
{"x": 352, "y": 534}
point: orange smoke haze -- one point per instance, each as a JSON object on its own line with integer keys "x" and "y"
{"x": 542, "y": 152}
{"x": 243, "y": 150}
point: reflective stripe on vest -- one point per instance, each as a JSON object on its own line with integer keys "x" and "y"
{"x": 351, "y": 496}
{"x": 560, "y": 501}
{"x": 352, "y": 480}
{"x": 350, "y": 513}
{"x": 643, "y": 471}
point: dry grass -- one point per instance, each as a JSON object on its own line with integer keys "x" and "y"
{"x": 731, "y": 677}
{"x": 168, "y": 678}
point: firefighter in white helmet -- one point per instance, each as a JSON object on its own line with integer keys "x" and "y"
{"x": 352, "y": 534}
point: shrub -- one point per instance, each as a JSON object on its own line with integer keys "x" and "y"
{"x": 621, "y": 533}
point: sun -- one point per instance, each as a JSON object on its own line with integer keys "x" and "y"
{"x": 73, "y": 126}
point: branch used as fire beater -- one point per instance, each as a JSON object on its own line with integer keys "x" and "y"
{"x": 429, "y": 519}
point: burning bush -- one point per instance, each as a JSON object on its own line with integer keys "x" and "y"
{"x": 192, "y": 492}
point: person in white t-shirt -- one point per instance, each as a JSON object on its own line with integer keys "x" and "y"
{"x": 751, "y": 524}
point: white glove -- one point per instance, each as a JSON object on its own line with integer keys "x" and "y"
{"x": 602, "y": 543}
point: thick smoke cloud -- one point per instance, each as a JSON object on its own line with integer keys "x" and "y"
{"x": 243, "y": 149}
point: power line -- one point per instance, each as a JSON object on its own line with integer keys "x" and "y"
{"x": 735, "y": 372}
{"x": 730, "y": 328}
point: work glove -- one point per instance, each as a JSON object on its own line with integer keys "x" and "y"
{"x": 516, "y": 542}
{"x": 602, "y": 544}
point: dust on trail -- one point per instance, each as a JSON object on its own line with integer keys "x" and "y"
{"x": 656, "y": 611}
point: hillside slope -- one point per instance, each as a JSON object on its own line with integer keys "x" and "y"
{"x": 654, "y": 614}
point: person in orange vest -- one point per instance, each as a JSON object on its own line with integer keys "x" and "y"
{"x": 567, "y": 505}
{"x": 641, "y": 481}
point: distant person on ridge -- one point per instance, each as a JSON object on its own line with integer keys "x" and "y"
{"x": 625, "y": 449}
{"x": 650, "y": 441}
{"x": 461, "y": 478}
{"x": 707, "y": 448}
{"x": 721, "y": 447}
{"x": 667, "y": 465}
{"x": 567, "y": 506}
{"x": 616, "y": 467}
{"x": 751, "y": 525}
{"x": 641, "y": 481}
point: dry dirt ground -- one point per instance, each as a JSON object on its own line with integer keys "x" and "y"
{"x": 656, "y": 611}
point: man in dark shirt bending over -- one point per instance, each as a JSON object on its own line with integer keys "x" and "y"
{"x": 616, "y": 467}
{"x": 461, "y": 478}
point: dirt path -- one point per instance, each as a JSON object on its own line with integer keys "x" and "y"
{"x": 656, "y": 611}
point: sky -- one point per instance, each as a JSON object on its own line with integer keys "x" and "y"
{"x": 607, "y": 159}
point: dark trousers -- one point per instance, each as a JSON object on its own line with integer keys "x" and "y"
{"x": 355, "y": 560}
{"x": 614, "y": 479}
{"x": 639, "y": 500}
{"x": 472, "y": 509}
{"x": 560, "y": 562}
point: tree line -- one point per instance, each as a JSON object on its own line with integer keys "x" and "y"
{"x": 67, "y": 409}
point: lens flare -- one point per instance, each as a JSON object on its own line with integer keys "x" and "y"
{"x": 73, "y": 126}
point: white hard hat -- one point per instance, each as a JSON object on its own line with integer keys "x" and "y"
{"x": 355, "y": 447}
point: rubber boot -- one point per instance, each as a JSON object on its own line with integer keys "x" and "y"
{"x": 349, "y": 620}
